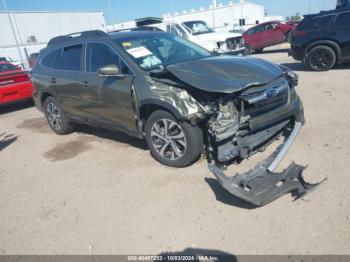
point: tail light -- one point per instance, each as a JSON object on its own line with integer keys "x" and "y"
{"x": 300, "y": 33}
{"x": 13, "y": 79}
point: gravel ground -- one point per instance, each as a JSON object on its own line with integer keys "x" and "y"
{"x": 99, "y": 192}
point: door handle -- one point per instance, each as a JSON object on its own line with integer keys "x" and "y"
{"x": 53, "y": 80}
{"x": 85, "y": 84}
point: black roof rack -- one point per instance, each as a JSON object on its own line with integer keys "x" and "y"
{"x": 67, "y": 38}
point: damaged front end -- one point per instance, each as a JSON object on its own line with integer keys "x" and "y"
{"x": 247, "y": 124}
{"x": 262, "y": 185}
{"x": 242, "y": 112}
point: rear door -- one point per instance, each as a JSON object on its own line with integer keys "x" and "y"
{"x": 272, "y": 35}
{"x": 342, "y": 28}
{"x": 254, "y": 37}
{"x": 64, "y": 79}
{"x": 107, "y": 99}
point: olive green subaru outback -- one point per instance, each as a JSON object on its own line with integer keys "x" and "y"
{"x": 182, "y": 99}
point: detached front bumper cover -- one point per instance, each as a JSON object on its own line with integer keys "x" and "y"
{"x": 261, "y": 185}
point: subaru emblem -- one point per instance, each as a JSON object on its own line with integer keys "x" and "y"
{"x": 271, "y": 93}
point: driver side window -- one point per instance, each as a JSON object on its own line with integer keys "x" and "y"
{"x": 268, "y": 27}
{"x": 99, "y": 55}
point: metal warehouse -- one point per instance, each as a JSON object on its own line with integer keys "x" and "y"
{"x": 217, "y": 15}
{"x": 32, "y": 30}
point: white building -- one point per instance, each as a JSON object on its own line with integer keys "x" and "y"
{"x": 223, "y": 15}
{"x": 33, "y": 30}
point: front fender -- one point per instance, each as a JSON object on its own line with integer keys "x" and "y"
{"x": 163, "y": 104}
{"x": 176, "y": 100}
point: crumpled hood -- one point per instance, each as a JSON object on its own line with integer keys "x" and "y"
{"x": 225, "y": 74}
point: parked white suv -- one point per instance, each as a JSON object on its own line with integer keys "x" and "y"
{"x": 201, "y": 34}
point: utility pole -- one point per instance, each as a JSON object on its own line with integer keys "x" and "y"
{"x": 13, "y": 32}
{"x": 172, "y": 10}
{"x": 309, "y": 8}
{"x": 110, "y": 13}
{"x": 214, "y": 7}
{"x": 241, "y": 20}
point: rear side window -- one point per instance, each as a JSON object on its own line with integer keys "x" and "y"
{"x": 255, "y": 30}
{"x": 71, "y": 58}
{"x": 99, "y": 55}
{"x": 50, "y": 59}
{"x": 324, "y": 21}
{"x": 343, "y": 20}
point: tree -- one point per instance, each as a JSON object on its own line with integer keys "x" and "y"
{"x": 296, "y": 17}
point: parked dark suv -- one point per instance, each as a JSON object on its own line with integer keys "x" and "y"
{"x": 323, "y": 40}
{"x": 179, "y": 97}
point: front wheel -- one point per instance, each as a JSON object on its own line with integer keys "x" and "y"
{"x": 321, "y": 58}
{"x": 171, "y": 142}
{"x": 248, "y": 50}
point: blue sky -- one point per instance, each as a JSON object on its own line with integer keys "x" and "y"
{"x": 123, "y": 10}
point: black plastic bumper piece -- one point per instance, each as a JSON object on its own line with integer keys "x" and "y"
{"x": 260, "y": 186}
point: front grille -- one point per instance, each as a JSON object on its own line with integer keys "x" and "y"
{"x": 234, "y": 43}
{"x": 255, "y": 101}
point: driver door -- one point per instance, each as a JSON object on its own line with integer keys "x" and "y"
{"x": 107, "y": 99}
{"x": 272, "y": 34}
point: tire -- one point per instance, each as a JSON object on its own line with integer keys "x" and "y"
{"x": 56, "y": 118}
{"x": 259, "y": 51}
{"x": 248, "y": 50}
{"x": 179, "y": 146}
{"x": 321, "y": 58}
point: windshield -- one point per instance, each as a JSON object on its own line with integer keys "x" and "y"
{"x": 155, "y": 51}
{"x": 198, "y": 27}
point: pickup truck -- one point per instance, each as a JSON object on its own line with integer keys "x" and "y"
{"x": 200, "y": 33}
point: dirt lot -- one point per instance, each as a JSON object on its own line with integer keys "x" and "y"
{"x": 99, "y": 192}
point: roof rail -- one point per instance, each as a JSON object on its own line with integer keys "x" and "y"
{"x": 66, "y": 38}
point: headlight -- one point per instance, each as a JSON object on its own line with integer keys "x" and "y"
{"x": 293, "y": 78}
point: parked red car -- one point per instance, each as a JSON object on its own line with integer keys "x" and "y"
{"x": 15, "y": 84}
{"x": 267, "y": 34}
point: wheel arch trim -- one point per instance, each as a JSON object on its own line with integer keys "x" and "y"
{"x": 162, "y": 104}
{"x": 330, "y": 43}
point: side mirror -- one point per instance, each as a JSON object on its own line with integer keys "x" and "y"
{"x": 109, "y": 70}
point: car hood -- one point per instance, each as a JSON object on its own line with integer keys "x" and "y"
{"x": 217, "y": 37}
{"x": 225, "y": 74}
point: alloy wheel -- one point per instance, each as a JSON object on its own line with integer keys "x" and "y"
{"x": 54, "y": 116}
{"x": 169, "y": 139}
{"x": 321, "y": 60}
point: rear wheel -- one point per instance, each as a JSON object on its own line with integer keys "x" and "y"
{"x": 56, "y": 118}
{"x": 321, "y": 58}
{"x": 171, "y": 142}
